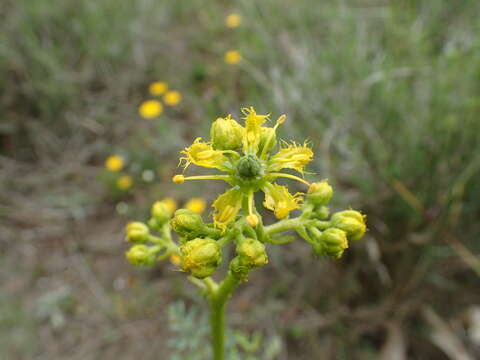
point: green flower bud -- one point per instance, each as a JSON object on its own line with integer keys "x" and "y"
{"x": 140, "y": 255}
{"x": 160, "y": 212}
{"x": 269, "y": 135}
{"x": 239, "y": 268}
{"x": 249, "y": 167}
{"x": 320, "y": 193}
{"x": 226, "y": 134}
{"x": 350, "y": 221}
{"x": 252, "y": 252}
{"x": 201, "y": 257}
{"x": 137, "y": 232}
{"x": 332, "y": 242}
{"x": 185, "y": 222}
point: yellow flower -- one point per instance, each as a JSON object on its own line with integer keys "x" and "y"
{"x": 196, "y": 205}
{"x": 114, "y": 163}
{"x": 158, "y": 88}
{"x": 124, "y": 182}
{"x": 249, "y": 169}
{"x": 202, "y": 154}
{"x": 232, "y": 57}
{"x": 150, "y": 109}
{"x": 172, "y": 98}
{"x": 170, "y": 203}
{"x": 233, "y": 20}
{"x": 226, "y": 207}
{"x": 279, "y": 200}
{"x": 291, "y": 157}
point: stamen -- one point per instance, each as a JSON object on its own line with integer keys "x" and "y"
{"x": 180, "y": 179}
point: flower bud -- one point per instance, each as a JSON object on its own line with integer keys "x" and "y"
{"x": 161, "y": 213}
{"x": 226, "y": 134}
{"x": 201, "y": 257}
{"x": 140, "y": 255}
{"x": 186, "y": 221}
{"x": 137, "y": 232}
{"x": 249, "y": 167}
{"x": 350, "y": 221}
{"x": 332, "y": 242}
{"x": 252, "y": 252}
{"x": 239, "y": 268}
{"x": 320, "y": 193}
{"x": 269, "y": 135}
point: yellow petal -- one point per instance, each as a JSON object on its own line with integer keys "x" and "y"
{"x": 291, "y": 157}
{"x": 253, "y": 129}
{"x": 202, "y": 154}
{"x": 226, "y": 207}
{"x": 279, "y": 200}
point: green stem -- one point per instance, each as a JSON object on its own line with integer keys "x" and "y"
{"x": 218, "y": 301}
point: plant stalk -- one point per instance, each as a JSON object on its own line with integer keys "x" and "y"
{"x": 218, "y": 301}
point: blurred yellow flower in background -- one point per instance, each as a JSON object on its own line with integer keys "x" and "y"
{"x": 233, "y": 20}
{"x": 172, "y": 98}
{"x": 175, "y": 260}
{"x": 114, "y": 163}
{"x": 124, "y": 182}
{"x": 232, "y": 57}
{"x": 150, "y": 109}
{"x": 158, "y": 88}
{"x": 171, "y": 204}
{"x": 197, "y": 205}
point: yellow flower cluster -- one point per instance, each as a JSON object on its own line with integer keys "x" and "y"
{"x": 153, "y": 108}
{"x": 116, "y": 163}
{"x": 243, "y": 153}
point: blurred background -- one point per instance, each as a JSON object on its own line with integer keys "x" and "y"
{"x": 388, "y": 93}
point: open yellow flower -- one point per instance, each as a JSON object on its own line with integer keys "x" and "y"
{"x": 202, "y": 154}
{"x": 233, "y": 20}
{"x": 279, "y": 200}
{"x": 124, "y": 182}
{"x": 196, "y": 205}
{"x": 114, "y": 163}
{"x": 250, "y": 167}
{"x": 172, "y": 98}
{"x": 291, "y": 157}
{"x": 232, "y": 57}
{"x": 158, "y": 88}
{"x": 150, "y": 109}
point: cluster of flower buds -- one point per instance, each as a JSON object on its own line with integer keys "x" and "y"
{"x": 331, "y": 238}
{"x": 251, "y": 253}
{"x": 148, "y": 248}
